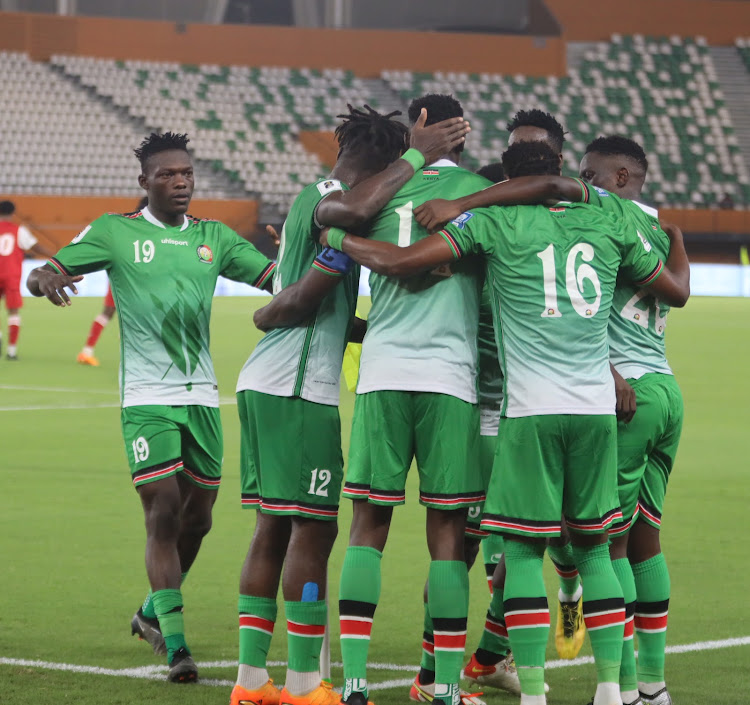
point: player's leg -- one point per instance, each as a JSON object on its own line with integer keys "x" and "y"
{"x": 446, "y": 432}
{"x": 570, "y": 629}
{"x": 590, "y": 506}
{"x": 524, "y": 502}
{"x": 644, "y": 549}
{"x": 261, "y": 570}
{"x": 86, "y": 356}
{"x": 153, "y": 445}
{"x": 14, "y": 302}
{"x": 380, "y": 453}
{"x": 633, "y": 442}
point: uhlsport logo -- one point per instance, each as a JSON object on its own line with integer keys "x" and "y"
{"x": 205, "y": 255}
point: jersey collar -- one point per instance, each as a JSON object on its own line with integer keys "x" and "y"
{"x": 149, "y": 216}
{"x": 443, "y": 162}
{"x": 648, "y": 210}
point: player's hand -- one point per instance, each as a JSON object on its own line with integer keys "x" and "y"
{"x": 273, "y": 234}
{"x": 53, "y": 285}
{"x": 673, "y": 232}
{"x": 625, "y": 406}
{"x": 259, "y": 319}
{"x": 323, "y": 239}
{"x": 436, "y": 213}
{"x": 436, "y": 140}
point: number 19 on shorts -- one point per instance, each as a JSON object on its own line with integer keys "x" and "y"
{"x": 140, "y": 449}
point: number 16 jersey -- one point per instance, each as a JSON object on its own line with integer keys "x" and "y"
{"x": 551, "y": 274}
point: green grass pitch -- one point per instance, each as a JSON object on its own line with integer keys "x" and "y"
{"x": 72, "y": 535}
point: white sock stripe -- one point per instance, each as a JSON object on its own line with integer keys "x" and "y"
{"x": 649, "y": 631}
{"x": 459, "y": 633}
{"x": 586, "y": 615}
{"x": 514, "y": 612}
{"x": 652, "y": 615}
{"x": 101, "y": 319}
{"x": 14, "y": 320}
{"x": 355, "y": 619}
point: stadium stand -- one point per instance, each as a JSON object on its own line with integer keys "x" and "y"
{"x": 245, "y": 121}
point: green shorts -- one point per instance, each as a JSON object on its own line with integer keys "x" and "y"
{"x": 290, "y": 456}
{"x": 163, "y": 440}
{"x": 390, "y": 428}
{"x": 646, "y": 449}
{"x": 487, "y": 445}
{"x": 548, "y": 466}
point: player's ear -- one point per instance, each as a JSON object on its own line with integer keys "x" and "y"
{"x": 142, "y": 181}
{"x": 623, "y": 175}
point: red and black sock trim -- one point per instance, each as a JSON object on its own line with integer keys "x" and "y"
{"x": 157, "y": 472}
{"x": 428, "y": 644}
{"x": 599, "y": 614}
{"x": 355, "y": 618}
{"x": 629, "y": 615}
{"x": 449, "y": 633}
{"x": 495, "y": 626}
{"x": 651, "y": 616}
{"x": 501, "y": 523}
{"x": 525, "y": 612}
{"x": 565, "y": 571}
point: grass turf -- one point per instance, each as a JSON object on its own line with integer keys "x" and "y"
{"x": 72, "y": 530}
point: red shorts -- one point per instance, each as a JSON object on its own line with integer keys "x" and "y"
{"x": 109, "y": 301}
{"x": 11, "y": 290}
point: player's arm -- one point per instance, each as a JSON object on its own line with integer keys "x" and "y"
{"x": 673, "y": 285}
{"x": 88, "y": 252}
{"x": 625, "y": 394}
{"x": 353, "y": 208}
{"x": 49, "y": 282}
{"x": 523, "y": 190}
{"x": 242, "y": 262}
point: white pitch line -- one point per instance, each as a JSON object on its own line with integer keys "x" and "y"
{"x": 82, "y": 407}
{"x": 158, "y": 672}
{"x": 61, "y": 390}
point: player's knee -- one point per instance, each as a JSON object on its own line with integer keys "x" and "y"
{"x": 471, "y": 550}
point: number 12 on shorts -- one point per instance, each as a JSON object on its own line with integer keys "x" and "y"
{"x": 319, "y": 482}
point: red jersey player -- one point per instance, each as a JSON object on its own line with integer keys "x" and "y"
{"x": 15, "y": 241}
{"x": 86, "y": 356}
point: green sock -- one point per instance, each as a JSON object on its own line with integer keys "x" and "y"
{"x": 526, "y": 612}
{"x": 257, "y": 619}
{"x": 492, "y": 552}
{"x": 306, "y": 625}
{"x": 148, "y": 609}
{"x": 567, "y": 573}
{"x": 448, "y": 599}
{"x": 652, "y": 588}
{"x": 495, "y": 635}
{"x": 624, "y": 573}
{"x": 168, "y": 606}
{"x": 428, "y": 642}
{"x": 603, "y": 609}
{"x": 359, "y": 592}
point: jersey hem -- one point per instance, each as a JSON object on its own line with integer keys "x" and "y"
{"x": 161, "y": 401}
{"x": 276, "y": 392}
{"x": 637, "y": 371}
{"x": 412, "y": 387}
{"x": 563, "y": 410}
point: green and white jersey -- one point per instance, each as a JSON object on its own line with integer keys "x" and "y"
{"x": 305, "y": 361}
{"x": 552, "y": 274}
{"x": 638, "y": 320}
{"x": 163, "y": 280}
{"x": 490, "y": 374}
{"x": 422, "y": 331}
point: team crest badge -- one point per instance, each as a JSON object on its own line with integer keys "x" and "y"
{"x": 462, "y": 219}
{"x": 205, "y": 255}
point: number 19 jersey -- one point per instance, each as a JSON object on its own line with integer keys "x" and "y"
{"x": 163, "y": 280}
{"x": 552, "y": 274}
{"x": 422, "y": 331}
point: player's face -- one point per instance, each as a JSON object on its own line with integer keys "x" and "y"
{"x": 600, "y": 170}
{"x": 168, "y": 180}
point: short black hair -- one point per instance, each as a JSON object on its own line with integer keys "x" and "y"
{"x": 7, "y": 208}
{"x": 155, "y": 143}
{"x": 530, "y": 159}
{"x": 542, "y": 120}
{"x": 619, "y": 146}
{"x": 494, "y": 172}
{"x": 367, "y": 132}
{"x": 439, "y": 106}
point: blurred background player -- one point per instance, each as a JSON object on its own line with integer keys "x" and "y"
{"x": 15, "y": 241}
{"x": 86, "y": 356}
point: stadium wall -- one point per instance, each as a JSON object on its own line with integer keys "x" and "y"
{"x": 56, "y": 220}
{"x": 366, "y": 52}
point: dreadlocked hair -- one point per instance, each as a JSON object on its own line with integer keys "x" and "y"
{"x": 618, "y": 145}
{"x": 542, "y": 120}
{"x": 155, "y": 143}
{"x": 530, "y": 159}
{"x": 368, "y": 133}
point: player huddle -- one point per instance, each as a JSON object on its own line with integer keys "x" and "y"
{"x": 503, "y": 338}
